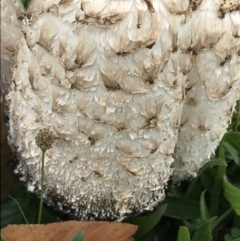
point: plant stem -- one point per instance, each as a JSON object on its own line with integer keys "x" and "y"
{"x": 42, "y": 180}
{"x": 24, "y": 216}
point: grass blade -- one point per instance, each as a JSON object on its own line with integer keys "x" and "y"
{"x": 204, "y": 232}
{"x": 221, "y": 218}
{"x": 212, "y": 163}
{"x": 203, "y": 207}
{"x": 146, "y": 223}
{"x": 232, "y": 194}
{"x": 24, "y": 217}
{"x": 183, "y": 234}
{"x": 78, "y": 236}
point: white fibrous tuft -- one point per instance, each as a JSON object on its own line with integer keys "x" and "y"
{"x": 11, "y": 11}
{"x": 126, "y": 88}
{"x": 213, "y": 85}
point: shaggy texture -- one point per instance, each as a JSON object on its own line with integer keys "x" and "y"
{"x": 123, "y": 86}
{"x": 10, "y": 36}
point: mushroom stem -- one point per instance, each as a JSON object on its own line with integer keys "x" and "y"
{"x": 42, "y": 180}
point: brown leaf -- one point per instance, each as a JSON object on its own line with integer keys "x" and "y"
{"x": 64, "y": 231}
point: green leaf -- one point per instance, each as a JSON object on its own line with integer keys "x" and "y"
{"x": 163, "y": 229}
{"x": 146, "y": 223}
{"x": 217, "y": 187}
{"x": 207, "y": 181}
{"x": 183, "y": 234}
{"x": 233, "y": 138}
{"x": 192, "y": 224}
{"x": 10, "y": 213}
{"x": 220, "y": 151}
{"x": 212, "y": 163}
{"x": 232, "y": 194}
{"x": 203, "y": 207}
{"x": 78, "y": 236}
{"x": 48, "y": 215}
{"x": 235, "y": 235}
{"x": 236, "y": 221}
{"x": 25, "y": 219}
{"x": 227, "y": 237}
{"x": 233, "y": 152}
{"x": 2, "y": 239}
{"x": 182, "y": 208}
{"x": 235, "y": 232}
{"x": 221, "y": 218}
{"x": 204, "y": 232}
{"x": 148, "y": 236}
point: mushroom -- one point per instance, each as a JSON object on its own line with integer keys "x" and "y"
{"x": 213, "y": 36}
{"x": 10, "y": 35}
{"x": 124, "y": 86}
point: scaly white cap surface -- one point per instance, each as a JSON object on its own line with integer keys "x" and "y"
{"x": 11, "y": 33}
{"x": 213, "y": 34}
{"x": 117, "y": 82}
{"x": 86, "y": 72}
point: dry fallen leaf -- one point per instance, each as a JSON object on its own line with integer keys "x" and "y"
{"x": 8, "y": 178}
{"x": 64, "y": 231}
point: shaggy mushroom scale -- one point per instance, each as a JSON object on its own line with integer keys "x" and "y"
{"x": 124, "y": 86}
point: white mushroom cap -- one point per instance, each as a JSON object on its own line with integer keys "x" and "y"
{"x": 214, "y": 83}
{"x": 113, "y": 80}
{"x": 11, "y": 33}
